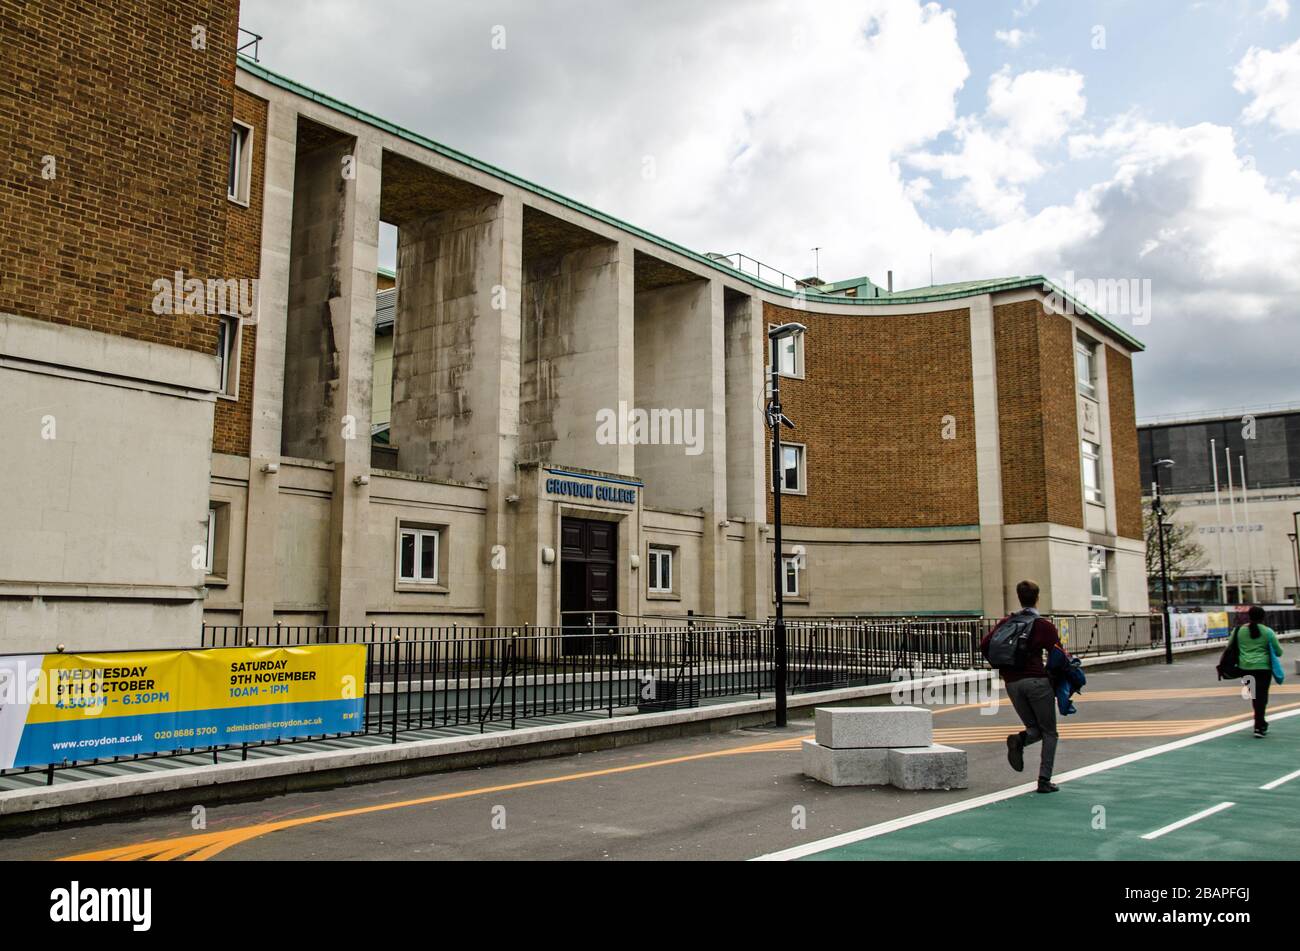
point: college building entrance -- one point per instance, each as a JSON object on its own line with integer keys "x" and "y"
{"x": 588, "y": 580}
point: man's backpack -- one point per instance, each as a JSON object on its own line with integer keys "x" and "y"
{"x": 1008, "y": 648}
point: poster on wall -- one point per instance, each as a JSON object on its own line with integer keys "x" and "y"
{"x": 1190, "y": 627}
{"x": 63, "y": 707}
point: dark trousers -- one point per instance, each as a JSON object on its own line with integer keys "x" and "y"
{"x": 1035, "y": 704}
{"x": 1259, "y": 695}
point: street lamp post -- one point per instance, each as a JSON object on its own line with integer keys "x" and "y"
{"x": 1158, "y": 509}
{"x": 776, "y": 419}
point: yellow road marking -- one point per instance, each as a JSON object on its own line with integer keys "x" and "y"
{"x": 205, "y": 845}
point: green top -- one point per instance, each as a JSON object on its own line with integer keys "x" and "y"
{"x": 1252, "y": 652}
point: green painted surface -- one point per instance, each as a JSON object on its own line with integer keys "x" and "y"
{"x": 1137, "y": 798}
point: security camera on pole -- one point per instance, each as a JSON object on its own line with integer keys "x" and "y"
{"x": 776, "y": 419}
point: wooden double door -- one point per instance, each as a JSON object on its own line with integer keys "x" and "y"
{"x": 588, "y": 578}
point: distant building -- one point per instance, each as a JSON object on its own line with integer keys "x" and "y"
{"x": 1248, "y": 538}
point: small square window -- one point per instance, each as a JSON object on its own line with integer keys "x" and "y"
{"x": 660, "y": 563}
{"x": 418, "y": 556}
{"x": 793, "y": 469}
{"x": 239, "y": 172}
{"x": 789, "y": 355}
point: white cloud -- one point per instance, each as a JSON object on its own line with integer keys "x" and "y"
{"x": 773, "y": 134}
{"x": 1276, "y": 10}
{"x": 1004, "y": 150}
{"x": 1272, "y": 77}
{"x": 1025, "y": 8}
{"x": 1014, "y": 38}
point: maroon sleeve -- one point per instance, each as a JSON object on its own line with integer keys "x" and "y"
{"x": 1046, "y": 636}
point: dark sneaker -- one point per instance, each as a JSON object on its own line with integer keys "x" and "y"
{"x": 1016, "y": 752}
{"x": 1046, "y": 785}
{"x": 1264, "y": 729}
{"x": 1260, "y": 733}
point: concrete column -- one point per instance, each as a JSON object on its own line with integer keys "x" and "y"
{"x": 988, "y": 460}
{"x": 746, "y": 442}
{"x": 577, "y": 359}
{"x": 260, "y": 568}
{"x": 456, "y": 346}
{"x": 352, "y": 325}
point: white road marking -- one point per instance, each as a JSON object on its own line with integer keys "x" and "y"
{"x": 1280, "y": 780}
{"x": 1174, "y": 826}
{"x": 903, "y": 822}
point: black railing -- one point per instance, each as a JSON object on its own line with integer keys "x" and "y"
{"x": 248, "y": 40}
{"x": 435, "y": 677}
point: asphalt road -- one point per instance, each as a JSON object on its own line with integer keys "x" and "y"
{"x": 733, "y": 795}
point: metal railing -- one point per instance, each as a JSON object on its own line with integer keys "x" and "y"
{"x": 248, "y": 40}
{"x": 435, "y": 677}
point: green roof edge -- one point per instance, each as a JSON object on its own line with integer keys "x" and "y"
{"x": 995, "y": 285}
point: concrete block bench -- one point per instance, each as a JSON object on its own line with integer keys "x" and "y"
{"x": 878, "y": 746}
{"x": 927, "y": 767}
{"x": 864, "y": 728}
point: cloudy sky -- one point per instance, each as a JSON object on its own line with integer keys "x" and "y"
{"x": 1088, "y": 140}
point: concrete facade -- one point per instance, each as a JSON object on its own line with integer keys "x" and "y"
{"x": 548, "y": 364}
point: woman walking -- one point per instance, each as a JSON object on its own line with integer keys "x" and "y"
{"x": 1256, "y": 645}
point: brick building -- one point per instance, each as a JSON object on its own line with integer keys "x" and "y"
{"x": 950, "y": 439}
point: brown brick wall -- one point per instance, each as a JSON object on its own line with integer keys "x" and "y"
{"x": 138, "y": 123}
{"x": 870, "y": 411}
{"x": 1124, "y": 444}
{"x": 232, "y": 422}
{"x": 1037, "y": 416}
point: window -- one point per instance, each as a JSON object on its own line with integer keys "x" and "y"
{"x": 793, "y": 469}
{"x": 1085, "y": 366}
{"x": 216, "y": 543}
{"x": 1097, "y": 573}
{"x": 793, "y": 566}
{"x": 241, "y": 163}
{"x": 418, "y": 555}
{"x": 210, "y": 543}
{"x": 1092, "y": 472}
{"x": 789, "y": 355}
{"x": 661, "y": 571}
{"x": 228, "y": 355}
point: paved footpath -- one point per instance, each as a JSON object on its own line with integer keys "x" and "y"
{"x": 741, "y": 795}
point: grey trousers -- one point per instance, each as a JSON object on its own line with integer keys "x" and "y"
{"x": 1035, "y": 704}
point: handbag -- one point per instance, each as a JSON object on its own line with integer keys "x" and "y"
{"x": 1227, "y": 667}
{"x": 1279, "y": 674}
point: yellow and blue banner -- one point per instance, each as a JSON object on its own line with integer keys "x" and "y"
{"x": 62, "y": 707}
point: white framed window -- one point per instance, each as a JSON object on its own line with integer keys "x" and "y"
{"x": 660, "y": 564}
{"x": 417, "y": 555}
{"x": 210, "y": 541}
{"x": 794, "y": 469}
{"x": 1097, "y": 574}
{"x": 789, "y": 355}
{"x": 228, "y": 331}
{"x": 790, "y": 576}
{"x": 1092, "y": 471}
{"x": 239, "y": 173}
{"x": 1085, "y": 365}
